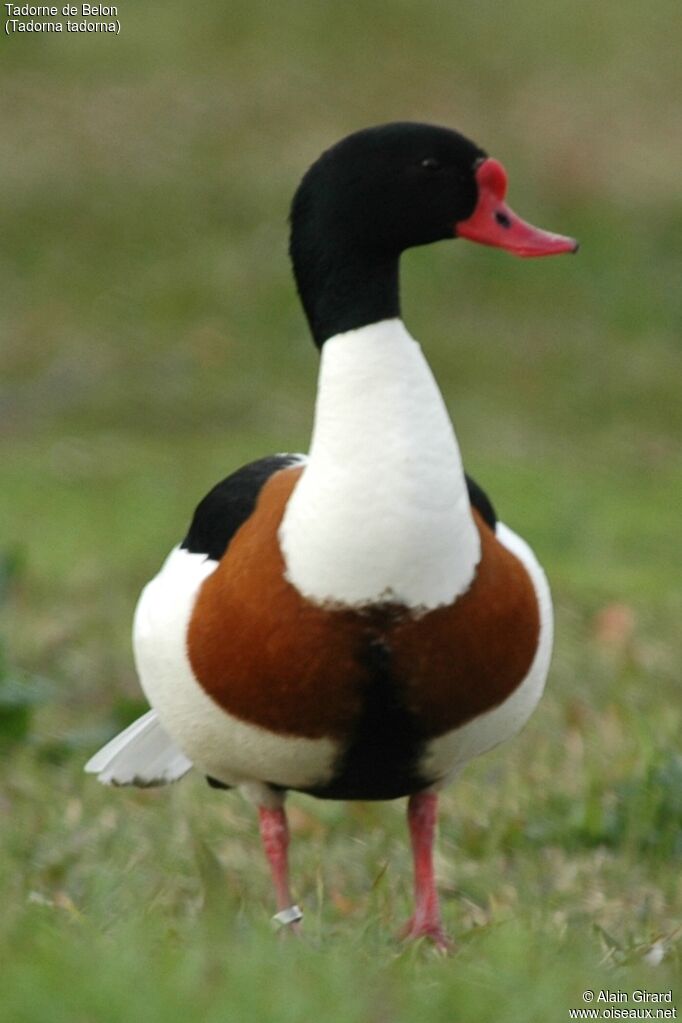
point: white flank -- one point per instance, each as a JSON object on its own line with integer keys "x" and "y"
{"x": 144, "y": 754}
{"x": 381, "y": 512}
{"x": 218, "y": 744}
{"x": 447, "y": 755}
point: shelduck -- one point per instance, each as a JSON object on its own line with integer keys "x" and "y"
{"x": 355, "y": 623}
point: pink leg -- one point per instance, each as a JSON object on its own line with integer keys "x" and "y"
{"x": 274, "y": 833}
{"x": 425, "y": 922}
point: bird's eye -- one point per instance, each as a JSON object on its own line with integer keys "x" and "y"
{"x": 430, "y": 163}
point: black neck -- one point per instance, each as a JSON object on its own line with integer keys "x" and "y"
{"x": 347, "y": 293}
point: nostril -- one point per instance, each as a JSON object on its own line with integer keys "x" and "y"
{"x": 502, "y": 219}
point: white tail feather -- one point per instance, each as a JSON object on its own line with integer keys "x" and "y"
{"x": 143, "y": 755}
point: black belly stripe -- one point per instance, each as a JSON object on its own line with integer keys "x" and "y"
{"x": 381, "y": 759}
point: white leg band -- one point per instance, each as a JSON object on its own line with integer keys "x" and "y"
{"x": 290, "y": 915}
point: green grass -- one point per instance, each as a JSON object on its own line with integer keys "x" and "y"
{"x": 151, "y": 342}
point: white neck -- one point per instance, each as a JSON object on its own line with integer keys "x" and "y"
{"x": 381, "y": 512}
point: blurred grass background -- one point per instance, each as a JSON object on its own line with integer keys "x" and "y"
{"x": 151, "y": 342}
